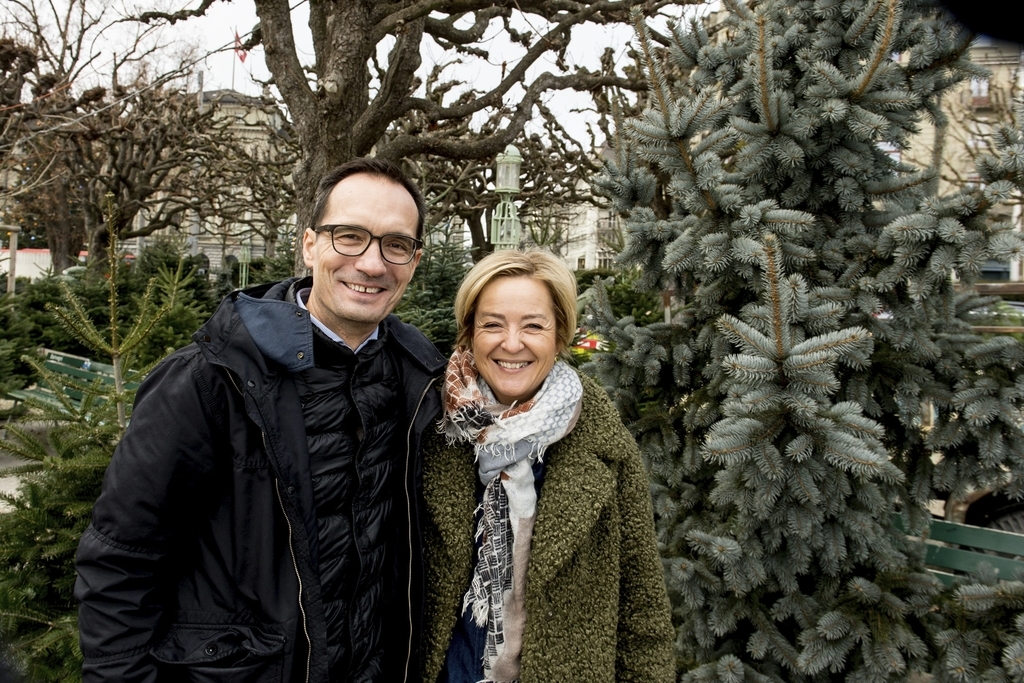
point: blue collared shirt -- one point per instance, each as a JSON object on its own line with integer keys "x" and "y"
{"x": 301, "y": 297}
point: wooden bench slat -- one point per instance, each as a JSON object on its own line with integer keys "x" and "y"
{"x": 945, "y": 577}
{"x": 967, "y": 561}
{"x": 65, "y": 358}
{"x": 952, "y": 547}
{"x": 74, "y": 373}
{"x": 977, "y": 537}
{"x": 105, "y": 368}
{"x": 88, "y": 376}
{"x": 38, "y": 394}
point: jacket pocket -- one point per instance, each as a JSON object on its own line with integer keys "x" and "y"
{"x": 220, "y": 652}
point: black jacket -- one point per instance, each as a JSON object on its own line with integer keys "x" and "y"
{"x": 353, "y": 407}
{"x": 201, "y": 560}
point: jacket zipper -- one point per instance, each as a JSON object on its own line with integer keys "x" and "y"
{"x": 291, "y": 545}
{"x": 295, "y": 565}
{"x": 408, "y": 513}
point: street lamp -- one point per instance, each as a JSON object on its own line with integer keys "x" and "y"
{"x": 505, "y": 228}
{"x": 244, "y": 259}
{"x": 12, "y": 231}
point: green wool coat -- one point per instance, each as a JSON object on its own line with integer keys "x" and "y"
{"x": 596, "y": 605}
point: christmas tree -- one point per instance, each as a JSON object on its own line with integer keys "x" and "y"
{"x": 66, "y": 446}
{"x": 429, "y": 301}
{"x": 822, "y": 298}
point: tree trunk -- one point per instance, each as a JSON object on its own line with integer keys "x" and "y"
{"x": 64, "y": 234}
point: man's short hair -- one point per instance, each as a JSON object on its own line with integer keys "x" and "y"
{"x": 534, "y": 264}
{"x": 375, "y": 167}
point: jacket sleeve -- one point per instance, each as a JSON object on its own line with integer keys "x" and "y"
{"x": 645, "y": 648}
{"x": 151, "y": 489}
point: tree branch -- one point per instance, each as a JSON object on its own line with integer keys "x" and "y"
{"x": 174, "y": 17}
{"x": 283, "y": 62}
{"x": 403, "y": 61}
{"x": 407, "y": 145}
{"x": 443, "y": 30}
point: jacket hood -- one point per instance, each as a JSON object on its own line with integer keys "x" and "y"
{"x": 258, "y": 325}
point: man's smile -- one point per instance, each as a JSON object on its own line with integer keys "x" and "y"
{"x": 362, "y": 289}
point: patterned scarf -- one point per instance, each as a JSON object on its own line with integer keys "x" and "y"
{"x": 507, "y": 441}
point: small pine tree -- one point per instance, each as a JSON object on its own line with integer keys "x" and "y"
{"x": 643, "y": 307}
{"x": 7, "y": 358}
{"x": 67, "y": 449}
{"x": 429, "y": 301}
{"x": 15, "y": 341}
{"x": 780, "y": 410}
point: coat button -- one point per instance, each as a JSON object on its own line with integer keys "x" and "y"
{"x": 211, "y": 649}
{"x": 206, "y": 337}
{"x": 300, "y": 355}
{"x": 251, "y": 383}
{"x": 291, "y": 489}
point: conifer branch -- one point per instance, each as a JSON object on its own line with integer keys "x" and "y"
{"x": 660, "y": 88}
{"x": 620, "y": 141}
{"x": 882, "y": 51}
{"x": 740, "y": 9}
{"x": 35, "y": 617}
{"x": 835, "y": 342}
{"x": 898, "y": 184}
{"x": 114, "y": 261}
{"x": 773, "y": 278}
{"x": 658, "y": 84}
{"x": 862, "y": 24}
{"x": 72, "y": 316}
{"x": 745, "y": 334}
{"x": 764, "y": 75}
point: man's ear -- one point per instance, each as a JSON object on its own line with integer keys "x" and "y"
{"x": 308, "y": 243}
{"x": 416, "y": 260}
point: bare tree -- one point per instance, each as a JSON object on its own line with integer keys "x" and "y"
{"x": 347, "y": 102}
{"x": 125, "y": 124}
{"x": 34, "y": 189}
{"x": 17, "y": 61}
{"x": 256, "y": 161}
{"x": 555, "y": 173}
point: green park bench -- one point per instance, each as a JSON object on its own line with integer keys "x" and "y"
{"x": 953, "y": 549}
{"x": 76, "y": 375}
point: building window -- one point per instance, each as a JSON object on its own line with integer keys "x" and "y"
{"x": 995, "y": 270}
{"x": 605, "y": 261}
{"x": 581, "y": 263}
{"x": 891, "y": 150}
{"x": 979, "y": 92}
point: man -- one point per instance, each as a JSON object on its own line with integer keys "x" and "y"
{"x": 258, "y": 521}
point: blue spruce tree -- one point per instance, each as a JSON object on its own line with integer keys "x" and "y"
{"x": 819, "y": 287}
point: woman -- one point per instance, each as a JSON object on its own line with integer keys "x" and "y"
{"x": 539, "y": 538}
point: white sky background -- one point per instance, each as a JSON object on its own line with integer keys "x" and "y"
{"x": 216, "y": 31}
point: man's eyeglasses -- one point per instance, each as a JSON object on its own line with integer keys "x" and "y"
{"x": 348, "y": 240}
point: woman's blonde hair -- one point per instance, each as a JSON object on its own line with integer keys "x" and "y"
{"x": 539, "y": 265}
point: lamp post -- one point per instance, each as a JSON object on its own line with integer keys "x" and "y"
{"x": 13, "y": 231}
{"x": 244, "y": 258}
{"x": 505, "y": 228}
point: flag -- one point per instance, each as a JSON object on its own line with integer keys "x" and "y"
{"x": 239, "y": 50}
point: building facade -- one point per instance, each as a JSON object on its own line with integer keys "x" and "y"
{"x": 973, "y": 112}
